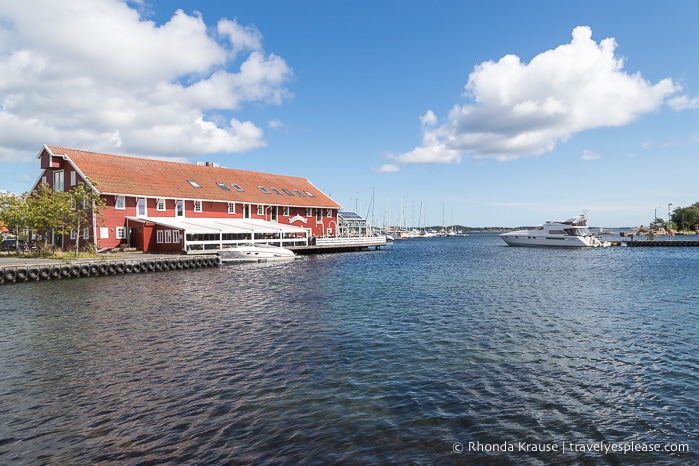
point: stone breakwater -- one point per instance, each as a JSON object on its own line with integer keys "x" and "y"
{"x": 19, "y": 270}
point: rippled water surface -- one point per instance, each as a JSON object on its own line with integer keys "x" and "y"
{"x": 435, "y": 351}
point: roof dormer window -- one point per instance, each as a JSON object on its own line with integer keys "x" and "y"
{"x": 237, "y": 187}
{"x": 287, "y": 191}
{"x": 264, "y": 190}
{"x": 276, "y": 191}
{"x": 298, "y": 192}
{"x": 194, "y": 183}
{"x": 223, "y": 186}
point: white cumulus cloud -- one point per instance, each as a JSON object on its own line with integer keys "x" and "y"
{"x": 517, "y": 109}
{"x": 98, "y": 75}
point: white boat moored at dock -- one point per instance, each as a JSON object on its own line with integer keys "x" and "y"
{"x": 255, "y": 253}
{"x": 569, "y": 233}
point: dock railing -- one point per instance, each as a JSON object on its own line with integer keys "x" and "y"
{"x": 352, "y": 241}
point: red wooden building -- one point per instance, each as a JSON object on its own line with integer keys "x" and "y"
{"x": 158, "y": 206}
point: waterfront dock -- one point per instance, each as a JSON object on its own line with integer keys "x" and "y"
{"x": 25, "y": 269}
{"x": 342, "y": 244}
{"x": 663, "y": 243}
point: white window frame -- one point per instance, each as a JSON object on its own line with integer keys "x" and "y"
{"x": 260, "y": 209}
{"x": 73, "y": 178}
{"x": 104, "y": 232}
{"x": 168, "y": 236}
{"x": 178, "y": 204}
{"x": 309, "y": 212}
{"x": 329, "y": 213}
{"x": 120, "y": 203}
{"x": 231, "y": 207}
{"x": 58, "y": 179}
{"x": 176, "y": 236}
{"x": 72, "y": 234}
{"x": 120, "y": 233}
{"x": 144, "y": 212}
{"x": 285, "y": 211}
{"x": 86, "y": 233}
{"x": 159, "y": 236}
{"x": 319, "y": 215}
{"x": 198, "y": 207}
{"x": 160, "y": 205}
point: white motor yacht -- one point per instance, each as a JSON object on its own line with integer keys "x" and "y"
{"x": 569, "y": 233}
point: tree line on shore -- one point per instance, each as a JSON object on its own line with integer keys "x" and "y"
{"x": 681, "y": 219}
{"x": 45, "y": 211}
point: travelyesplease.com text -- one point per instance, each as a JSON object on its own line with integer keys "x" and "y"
{"x": 571, "y": 447}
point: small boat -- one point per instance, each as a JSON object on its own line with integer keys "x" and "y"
{"x": 255, "y": 253}
{"x": 569, "y": 233}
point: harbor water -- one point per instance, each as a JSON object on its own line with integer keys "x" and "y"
{"x": 434, "y": 351}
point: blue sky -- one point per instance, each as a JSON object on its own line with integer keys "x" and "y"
{"x": 499, "y": 113}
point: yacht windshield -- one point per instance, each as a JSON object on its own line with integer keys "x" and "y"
{"x": 577, "y": 231}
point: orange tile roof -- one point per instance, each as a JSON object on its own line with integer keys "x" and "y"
{"x": 131, "y": 176}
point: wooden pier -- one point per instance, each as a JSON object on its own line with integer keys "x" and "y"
{"x": 330, "y": 245}
{"x": 19, "y": 270}
{"x": 662, "y": 243}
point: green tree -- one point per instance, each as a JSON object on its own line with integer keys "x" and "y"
{"x": 686, "y": 217}
{"x": 48, "y": 211}
{"x": 86, "y": 208}
{"x": 13, "y": 212}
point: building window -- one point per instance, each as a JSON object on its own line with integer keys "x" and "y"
{"x": 197, "y": 206}
{"x": 120, "y": 203}
{"x": 58, "y": 181}
{"x": 231, "y": 207}
{"x": 160, "y": 205}
{"x": 276, "y": 191}
{"x": 264, "y": 190}
{"x": 287, "y": 191}
{"x": 86, "y": 233}
{"x": 141, "y": 207}
{"x": 319, "y": 214}
{"x": 273, "y": 214}
{"x": 73, "y": 177}
{"x": 298, "y": 192}
{"x": 179, "y": 209}
{"x": 223, "y": 186}
{"x": 168, "y": 236}
{"x": 159, "y": 237}
{"x": 330, "y": 213}
{"x": 194, "y": 184}
{"x": 309, "y": 212}
{"x": 285, "y": 213}
{"x": 72, "y": 234}
{"x": 260, "y": 210}
{"x": 309, "y": 194}
{"x": 104, "y": 232}
{"x": 246, "y": 210}
{"x": 175, "y": 236}
{"x": 237, "y": 187}
{"x": 120, "y": 233}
